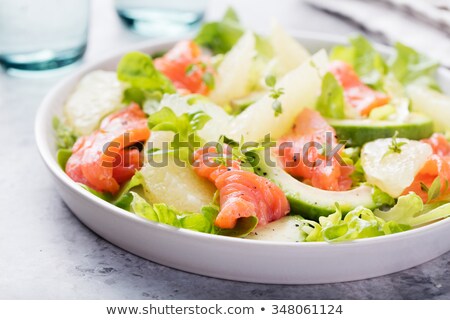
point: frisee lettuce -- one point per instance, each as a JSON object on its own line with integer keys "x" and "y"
{"x": 407, "y": 213}
{"x": 357, "y": 224}
{"x": 65, "y": 136}
{"x": 367, "y": 62}
{"x": 157, "y": 212}
{"x": 201, "y": 222}
{"x": 145, "y": 81}
{"x": 409, "y": 66}
{"x": 411, "y": 210}
{"x": 381, "y": 198}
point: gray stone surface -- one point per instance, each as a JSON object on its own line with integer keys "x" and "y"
{"x": 45, "y": 252}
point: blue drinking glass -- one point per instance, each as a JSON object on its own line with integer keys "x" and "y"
{"x": 157, "y": 18}
{"x": 37, "y": 35}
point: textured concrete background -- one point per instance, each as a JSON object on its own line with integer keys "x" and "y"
{"x": 45, "y": 252}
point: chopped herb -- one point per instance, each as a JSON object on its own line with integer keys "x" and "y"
{"x": 275, "y": 94}
{"x": 435, "y": 190}
{"x": 395, "y": 147}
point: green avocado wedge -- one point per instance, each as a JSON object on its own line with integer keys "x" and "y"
{"x": 357, "y": 132}
{"x": 307, "y": 201}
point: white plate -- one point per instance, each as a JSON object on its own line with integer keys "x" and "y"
{"x": 230, "y": 258}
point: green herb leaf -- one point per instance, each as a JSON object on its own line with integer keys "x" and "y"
{"x": 276, "y": 106}
{"x": 395, "y": 146}
{"x": 435, "y": 189}
{"x": 357, "y": 224}
{"x": 410, "y": 210}
{"x": 275, "y": 93}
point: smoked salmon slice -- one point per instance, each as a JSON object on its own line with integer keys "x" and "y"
{"x": 356, "y": 93}
{"x": 242, "y": 193}
{"x": 105, "y": 159}
{"x": 185, "y": 65}
{"x": 438, "y": 165}
{"x": 301, "y": 153}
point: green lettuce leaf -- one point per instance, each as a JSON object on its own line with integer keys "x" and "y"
{"x": 331, "y": 102}
{"x": 145, "y": 81}
{"x": 201, "y": 222}
{"x": 357, "y": 224}
{"x": 381, "y": 198}
{"x": 124, "y": 198}
{"x": 184, "y": 124}
{"x": 65, "y": 137}
{"x": 158, "y": 212}
{"x": 358, "y": 176}
{"x": 410, "y": 210}
{"x": 243, "y": 227}
{"x": 220, "y": 36}
{"x": 62, "y": 156}
{"x": 137, "y": 69}
{"x": 409, "y": 67}
{"x": 185, "y": 127}
{"x": 367, "y": 62}
{"x": 102, "y": 195}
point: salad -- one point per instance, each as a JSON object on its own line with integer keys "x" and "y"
{"x": 237, "y": 134}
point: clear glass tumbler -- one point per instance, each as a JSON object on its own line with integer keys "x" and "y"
{"x": 40, "y": 35}
{"x": 161, "y": 17}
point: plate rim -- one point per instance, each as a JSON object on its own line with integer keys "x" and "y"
{"x": 46, "y": 112}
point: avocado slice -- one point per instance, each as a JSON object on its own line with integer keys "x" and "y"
{"x": 307, "y": 201}
{"x": 360, "y": 131}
